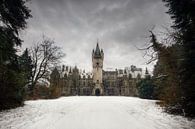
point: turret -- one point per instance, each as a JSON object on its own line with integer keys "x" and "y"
{"x": 97, "y": 53}
{"x": 97, "y": 57}
{"x": 97, "y": 61}
{"x": 147, "y": 75}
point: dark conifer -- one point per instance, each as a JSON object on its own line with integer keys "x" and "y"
{"x": 13, "y": 16}
{"x": 182, "y": 12}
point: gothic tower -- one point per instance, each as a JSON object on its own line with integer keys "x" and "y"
{"x": 97, "y": 61}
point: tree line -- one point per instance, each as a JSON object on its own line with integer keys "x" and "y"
{"x": 19, "y": 74}
{"x": 173, "y": 77}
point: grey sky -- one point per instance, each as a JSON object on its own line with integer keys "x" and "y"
{"x": 75, "y": 25}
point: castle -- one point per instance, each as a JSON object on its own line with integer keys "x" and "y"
{"x": 73, "y": 81}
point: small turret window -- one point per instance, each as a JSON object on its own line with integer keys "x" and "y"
{"x": 97, "y": 64}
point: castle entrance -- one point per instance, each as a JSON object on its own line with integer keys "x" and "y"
{"x": 97, "y": 92}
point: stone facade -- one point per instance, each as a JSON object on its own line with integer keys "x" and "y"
{"x": 73, "y": 81}
{"x": 97, "y": 62}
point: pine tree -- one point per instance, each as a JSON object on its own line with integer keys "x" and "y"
{"x": 13, "y": 16}
{"x": 146, "y": 88}
{"x": 182, "y": 12}
{"x": 25, "y": 63}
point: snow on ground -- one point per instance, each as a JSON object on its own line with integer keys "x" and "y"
{"x": 92, "y": 113}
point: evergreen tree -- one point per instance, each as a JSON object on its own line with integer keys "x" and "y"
{"x": 182, "y": 12}
{"x": 26, "y": 66}
{"x": 167, "y": 85}
{"x": 145, "y": 88}
{"x": 13, "y": 16}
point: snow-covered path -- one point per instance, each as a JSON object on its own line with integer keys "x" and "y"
{"x": 92, "y": 113}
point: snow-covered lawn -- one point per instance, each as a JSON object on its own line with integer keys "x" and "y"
{"x": 92, "y": 113}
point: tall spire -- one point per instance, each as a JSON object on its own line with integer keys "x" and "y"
{"x": 97, "y": 53}
{"x": 146, "y": 72}
{"x": 97, "y": 50}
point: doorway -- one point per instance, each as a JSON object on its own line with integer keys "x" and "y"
{"x": 97, "y": 92}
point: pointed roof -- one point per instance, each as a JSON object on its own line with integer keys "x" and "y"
{"x": 55, "y": 73}
{"x": 97, "y": 53}
{"x": 97, "y": 50}
{"x": 146, "y": 72}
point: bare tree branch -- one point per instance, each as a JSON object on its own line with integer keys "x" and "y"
{"x": 44, "y": 56}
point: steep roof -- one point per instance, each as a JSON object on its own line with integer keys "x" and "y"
{"x": 97, "y": 52}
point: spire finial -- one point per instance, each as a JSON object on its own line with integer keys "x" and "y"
{"x": 146, "y": 72}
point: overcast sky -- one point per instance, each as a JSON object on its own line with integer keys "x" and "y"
{"x": 75, "y": 25}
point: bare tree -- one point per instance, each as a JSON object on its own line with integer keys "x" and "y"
{"x": 156, "y": 47}
{"x": 44, "y": 56}
{"x": 151, "y": 49}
